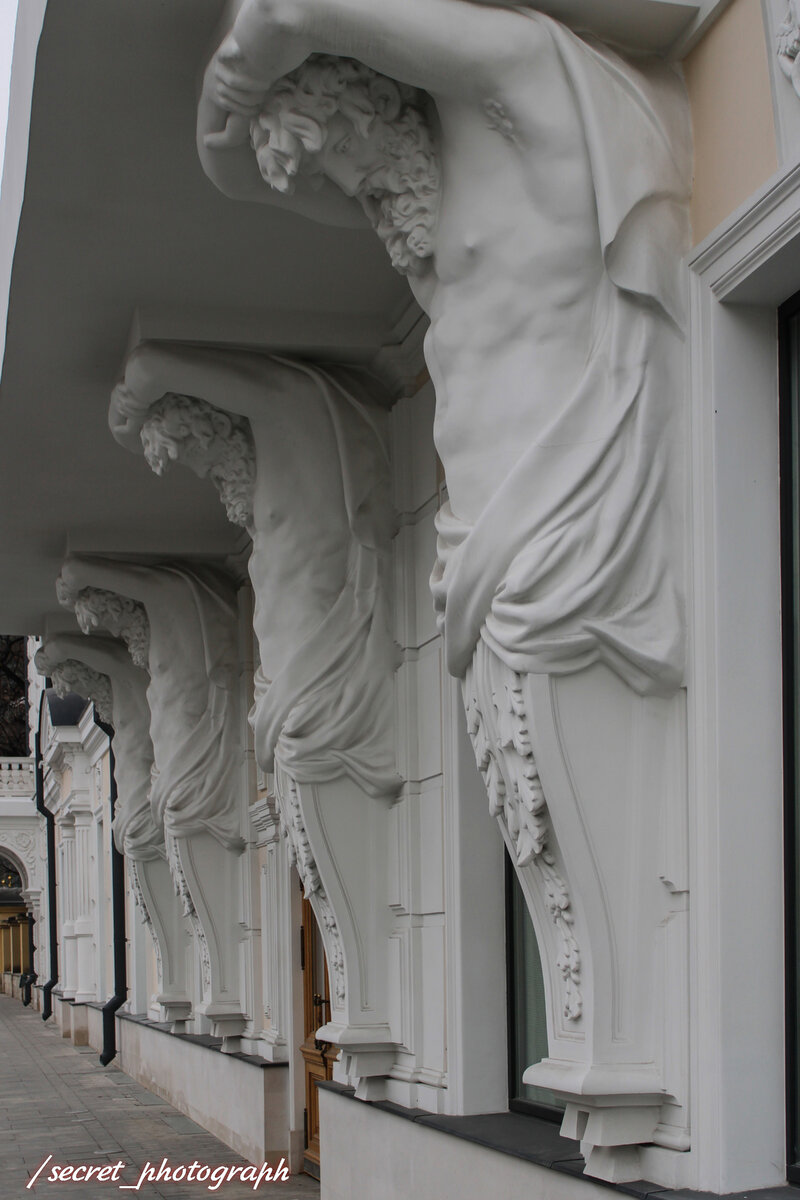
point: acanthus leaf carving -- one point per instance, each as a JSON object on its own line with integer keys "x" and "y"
{"x": 505, "y": 759}
{"x": 189, "y": 910}
{"x": 139, "y": 899}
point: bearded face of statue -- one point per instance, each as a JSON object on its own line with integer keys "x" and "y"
{"x": 394, "y": 176}
{"x": 367, "y": 134}
{"x": 161, "y": 448}
{"x": 356, "y": 164}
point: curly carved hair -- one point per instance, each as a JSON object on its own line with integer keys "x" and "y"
{"x": 73, "y": 676}
{"x": 99, "y": 608}
{"x": 214, "y": 443}
{"x": 293, "y": 125}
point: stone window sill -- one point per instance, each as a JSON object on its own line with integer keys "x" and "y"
{"x": 200, "y": 1039}
{"x": 538, "y": 1141}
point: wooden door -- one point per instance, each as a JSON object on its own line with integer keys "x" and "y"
{"x": 318, "y": 1057}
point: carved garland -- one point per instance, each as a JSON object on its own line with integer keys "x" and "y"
{"x": 189, "y": 910}
{"x": 301, "y": 857}
{"x": 505, "y": 759}
{"x": 138, "y": 897}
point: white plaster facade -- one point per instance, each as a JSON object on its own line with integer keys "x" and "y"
{"x": 640, "y": 804}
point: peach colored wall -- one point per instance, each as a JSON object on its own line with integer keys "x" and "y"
{"x": 735, "y": 151}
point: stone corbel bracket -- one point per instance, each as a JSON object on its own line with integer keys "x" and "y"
{"x": 347, "y": 830}
{"x": 582, "y": 775}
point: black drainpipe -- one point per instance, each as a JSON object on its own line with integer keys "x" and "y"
{"x": 118, "y": 924}
{"x": 29, "y": 980}
{"x": 47, "y": 1002}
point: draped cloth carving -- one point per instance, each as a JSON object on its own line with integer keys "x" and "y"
{"x": 329, "y": 711}
{"x": 572, "y": 560}
{"x": 194, "y": 789}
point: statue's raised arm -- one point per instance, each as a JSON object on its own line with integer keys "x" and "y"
{"x": 411, "y": 41}
{"x": 248, "y": 103}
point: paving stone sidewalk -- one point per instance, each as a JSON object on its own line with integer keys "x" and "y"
{"x": 57, "y": 1099}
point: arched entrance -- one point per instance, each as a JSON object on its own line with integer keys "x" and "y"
{"x": 16, "y": 940}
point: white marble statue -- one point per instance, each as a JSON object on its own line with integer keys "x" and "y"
{"x": 101, "y": 669}
{"x": 299, "y": 457}
{"x": 532, "y": 184}
{"x": 181, "y": 624}
{"x": 535, "y": 195}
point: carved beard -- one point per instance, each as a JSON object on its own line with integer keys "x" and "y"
{"x": 403, "y": 218}
{"x": 229, "y": 462}
{"x": 97, "y": 608}
{"x": 400, "y": 196}
{"x": 136, "y": 637}
{"x": 233, "y": 475}
{"x": 73, "y": 676}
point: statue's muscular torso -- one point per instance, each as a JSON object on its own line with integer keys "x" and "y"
{"x": 301, "y": 534}
{"x": 516, "y": 273}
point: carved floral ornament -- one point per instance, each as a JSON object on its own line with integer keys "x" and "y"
{"x": 498, "y": 726}
{"x": 24, "y": 845}
{"x": 189, "y": 911}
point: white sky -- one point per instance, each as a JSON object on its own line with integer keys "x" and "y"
{"x": 8, "y": 14}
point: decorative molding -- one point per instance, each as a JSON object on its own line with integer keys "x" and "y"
{"x": 731, "y": 257}
{"x": 265, "y": 819}
{"x": 400, "y": 364}
{"x": 24, "y": 844}
{"x": 498, "y": 726}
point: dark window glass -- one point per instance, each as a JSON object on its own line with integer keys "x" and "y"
{"x": 789, "y": 343}
{"x": 527, "y": 1025}
{"x": 9, "y": 875}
